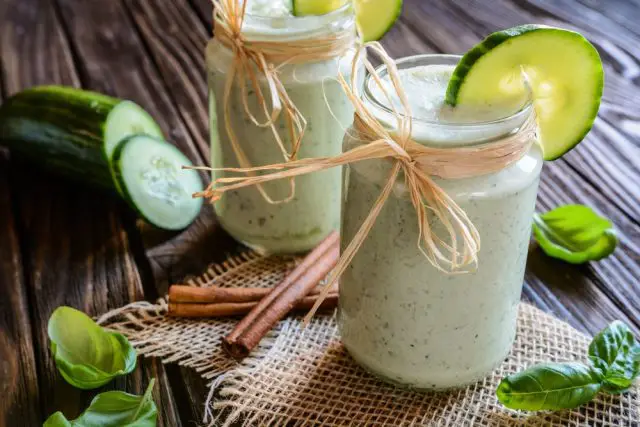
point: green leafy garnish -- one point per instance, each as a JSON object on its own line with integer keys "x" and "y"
{"x": 86, "y": 355}
{"x": 616, "y": 353}
{"x": 614, "y": 356}
{"x": 113, "y": 409}
{"x": 575, "y": 234}
{"x": 550, "y": 386}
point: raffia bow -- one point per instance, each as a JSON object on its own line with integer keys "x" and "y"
{"x": 255, "y": 59}
{"x": 418, "y": 163}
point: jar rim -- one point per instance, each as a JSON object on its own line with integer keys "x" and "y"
{"x": 520, "y": 114}
{"x": 333, "y": 13}
{"x": 289, "y": 26}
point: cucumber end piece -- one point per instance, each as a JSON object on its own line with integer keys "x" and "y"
{"x": 125, "y": 119}
{"x": 150, "y": 175}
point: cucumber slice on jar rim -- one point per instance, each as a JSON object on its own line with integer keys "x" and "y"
{"x": 315, "y": 7}
{"x": 151, "y": 179}
{"x": 560, "y": 68}
{"x": 373, "y": 17}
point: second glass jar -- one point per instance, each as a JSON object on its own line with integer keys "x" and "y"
{"x": 314, "y": 212}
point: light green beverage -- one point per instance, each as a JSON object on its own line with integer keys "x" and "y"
{"x": 400, "y": 317}
{"x": 315, "y": 210}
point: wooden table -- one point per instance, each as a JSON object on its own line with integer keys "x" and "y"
{"x": 65, "y": 244}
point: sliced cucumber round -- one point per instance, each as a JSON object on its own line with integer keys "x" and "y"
{"x": 376, "y": 17}
{"x": 558, "y": 68}
{"x": 150, "y": 175}
{"x": 373, "y": 17}
{"x": 125, "y": 119}
{"x": 315, "y": 7}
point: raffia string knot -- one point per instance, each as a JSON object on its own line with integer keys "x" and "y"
{"x": 255, "y": 59}
{"x": 418, "y": 164}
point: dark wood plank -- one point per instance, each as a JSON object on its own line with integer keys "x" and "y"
{"x": 76, "y": 251}
{"x": 18, "y": 377}
{"x": 175, "y": 37}
{"x": 18, "y": 374}
{"x": 160, "y": 66}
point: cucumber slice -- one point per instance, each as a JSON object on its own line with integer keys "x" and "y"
{"x": 150, "y": 175}
{"x": 125, "y": 119}
{"x": 373, "y": 17}
{"x": 315, "y": 7}
{"x": 560, "y": 68}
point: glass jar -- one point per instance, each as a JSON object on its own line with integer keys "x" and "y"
{"x": 314, "y": 212}
{"x": 400, "y": 317}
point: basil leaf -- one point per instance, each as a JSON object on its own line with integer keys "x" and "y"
{"x": 86, "y": 355}
{"x": 575, "y": 234}
{"x": 113, "y": 409}
{"x": 549, "y": 386}
{"x": 616, "y": 352}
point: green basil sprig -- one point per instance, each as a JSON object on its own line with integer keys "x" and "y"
{"x": 113, "y": 409}
{"x": 549, "y": 386}
{"x": 575, "y": 234}
{"x": 614, "y": 356}
{"x": 86, "y": 355}
{"x": 616, "y": 353}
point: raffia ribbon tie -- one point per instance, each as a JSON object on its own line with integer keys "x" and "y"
{"x": 261, "y": 59}
{"x": 418, "y": 164}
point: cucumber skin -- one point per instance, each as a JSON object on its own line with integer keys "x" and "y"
{"x": 497, "y": 38}
{"x": 61, "y": 129}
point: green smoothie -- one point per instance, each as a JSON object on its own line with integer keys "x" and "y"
{"x": 400, "y": 317}
{"x": 315, "y": 210}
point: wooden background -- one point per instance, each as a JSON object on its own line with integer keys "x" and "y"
{"x": 64, "y": 244}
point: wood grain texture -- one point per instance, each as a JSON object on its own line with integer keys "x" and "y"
{"x": 75, "y": 249}
{"x": 18, "y": 376}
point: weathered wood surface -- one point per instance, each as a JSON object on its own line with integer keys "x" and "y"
{"x": 62, "y": 244}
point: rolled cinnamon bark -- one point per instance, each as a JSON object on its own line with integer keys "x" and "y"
{"x": 283, "y": 298}
{"x": 215, "y": 294}
{"x": 226, "y": 309}
{"x": 183, "y": 294}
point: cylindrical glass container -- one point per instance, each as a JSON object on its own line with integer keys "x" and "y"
{"x": 400, "y": 317}
{"x": 302, "y": 223}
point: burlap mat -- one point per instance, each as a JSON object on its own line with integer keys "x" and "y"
{"x": 298, "y": 377}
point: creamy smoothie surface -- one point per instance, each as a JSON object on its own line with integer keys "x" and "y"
{"x": 269, "y": 7}
{"x": 400, "y": 317}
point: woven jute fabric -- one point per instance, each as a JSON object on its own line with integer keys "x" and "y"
{"x": 304, "y": 376}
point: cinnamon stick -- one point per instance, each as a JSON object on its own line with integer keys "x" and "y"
{"x": 184, "y": 294}
{"x": 215, "y": 294}
{"x": 225, "y": 309}
{"x": 285, "y": 296}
